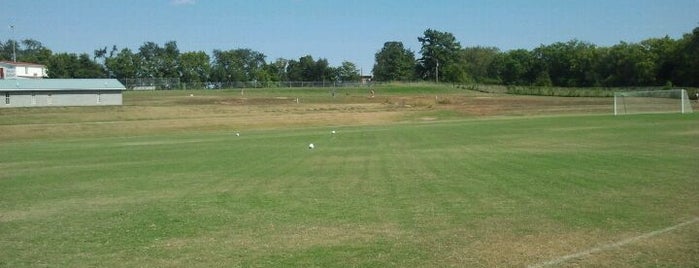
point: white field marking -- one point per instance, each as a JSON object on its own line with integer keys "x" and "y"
{"x": 612, "y": 245}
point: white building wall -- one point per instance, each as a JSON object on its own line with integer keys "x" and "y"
{"x": 53, "y": 98}
{"x": 9, "y": 72}
{"x": 23, "y": 71}
{"x": 30, "y": 71}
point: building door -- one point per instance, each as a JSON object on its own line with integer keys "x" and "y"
{"x": 2, "y": 73}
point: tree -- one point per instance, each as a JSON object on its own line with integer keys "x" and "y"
{"x": 149, "y": 61}
{"x": 394, "y": 63}
{"x": 322, "y": 71}
{"x": 113, "y": 51}
{"x": 123, "y": 65}
{"x": 439, "y": 55}
{"x": 238, "y": 65}
{"x": 87, "y": 68}
{"x": 347, "y": 72}
{"x": 194, "y": 67}
{"x": 569, "y": 64}
{"x": 100, "y": 53}
{"x": 305, "y": 69}
{"x": 154, "y": 61}
{"x": 170, "y": 60}
{"x": 294, "y": 71}
{"x": 27, "y": 50}
{"x": 70, "y": 65}
{"x": 6, "y": 49}
{"x": 478, "y": 61}
{"x": 307, "y": 65}
{"x": 277, "y": 69}
{"x": 628, "y": 65}
{"x": 516, "y": 67}
{"x": 687, "y": 58}
{"x": 34, "y": 52}
{"x": 665, "y": 51}
{"x": 62, "y": 65}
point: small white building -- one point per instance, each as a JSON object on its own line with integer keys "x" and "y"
{"x": 60, "y": 92}
{"x": 22, "y": 70}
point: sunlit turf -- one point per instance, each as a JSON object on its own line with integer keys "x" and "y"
{"x": 468, "y": 193}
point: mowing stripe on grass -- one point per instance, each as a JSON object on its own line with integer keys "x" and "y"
{"x": 613, "y": 245}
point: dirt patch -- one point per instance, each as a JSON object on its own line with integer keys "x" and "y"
{"x": 234, "y": 112}
{"x": 529, "y": 105}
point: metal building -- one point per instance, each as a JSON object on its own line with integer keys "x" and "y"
{"x": 60, "y": 92}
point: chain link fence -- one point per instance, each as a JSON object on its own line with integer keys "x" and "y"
{"x": 174, "y": 83}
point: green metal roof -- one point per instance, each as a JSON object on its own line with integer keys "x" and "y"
{"x": 59, "y": 84}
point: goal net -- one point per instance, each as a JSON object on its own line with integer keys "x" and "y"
{"x": 654, "y": 101}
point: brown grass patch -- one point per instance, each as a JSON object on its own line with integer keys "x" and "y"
{"x": 204, "y": 113}
{"x": 676, "y": 248}
{"x": 500, "y": 246}
{"x": 52, "y": 208}
{"x": 283, "y": 238}
{"x": 177, "y": 119}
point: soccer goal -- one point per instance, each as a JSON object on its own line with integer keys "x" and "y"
{"x": 654, "y": 101}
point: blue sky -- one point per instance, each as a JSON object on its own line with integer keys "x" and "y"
{"x": 338, "y": 30}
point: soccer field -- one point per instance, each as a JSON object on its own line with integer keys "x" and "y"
{"x": 391, "y": 188}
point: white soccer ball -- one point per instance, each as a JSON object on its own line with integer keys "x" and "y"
{"x": 237, "y": 133}
{"x": 333, "y": 132}
{"x": 311, "y": 146}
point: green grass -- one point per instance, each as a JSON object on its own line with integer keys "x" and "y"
{"x": 468, "y": 193}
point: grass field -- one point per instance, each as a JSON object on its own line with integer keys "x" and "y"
{"x": 416, "y": 177}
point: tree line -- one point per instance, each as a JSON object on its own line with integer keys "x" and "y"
{"x": 651, "y": 62}
{"x": 152, "y": 60}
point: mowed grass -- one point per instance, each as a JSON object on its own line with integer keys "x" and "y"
{"x": 459, "y": 192}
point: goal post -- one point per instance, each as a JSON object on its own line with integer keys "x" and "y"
{"x": 653, "y": 101}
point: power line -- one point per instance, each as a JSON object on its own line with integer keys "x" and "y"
{"x": 14, "y": 44}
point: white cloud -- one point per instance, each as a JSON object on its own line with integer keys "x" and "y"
{"x": 183, "y": 2}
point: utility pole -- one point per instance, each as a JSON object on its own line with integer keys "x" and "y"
{"x": 14, "y": 44}
{"x": 436, "y": 72}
